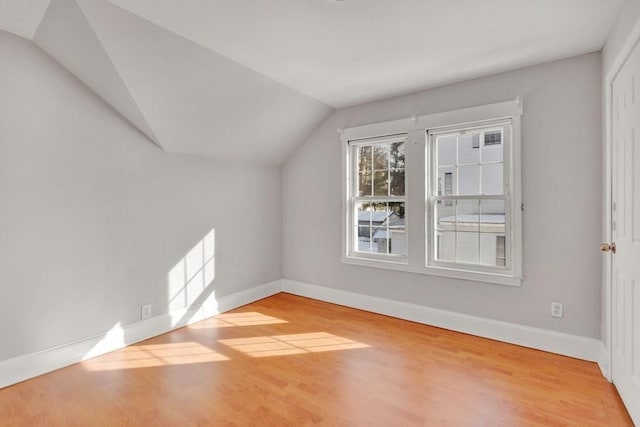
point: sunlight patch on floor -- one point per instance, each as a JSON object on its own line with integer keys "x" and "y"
{"x": 227, "y": 320}
{"x": 154, "y": 355}
{"x": 282, "y": 345}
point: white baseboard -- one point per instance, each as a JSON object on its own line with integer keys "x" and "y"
{"x": 31, "y": 365}
{"x": 22, "y": 368}
{"x": 603, "y": 361}
{"x": 541, "y": 339}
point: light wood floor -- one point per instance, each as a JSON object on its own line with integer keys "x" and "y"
{"x": 288, "y": 360}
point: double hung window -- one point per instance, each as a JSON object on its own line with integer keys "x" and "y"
{"x": 379, "y": 197}
{"x": 437, "y": 194}
{"x": 469, "y": 218}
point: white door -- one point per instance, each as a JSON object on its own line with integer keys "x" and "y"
{"x": 625, "y": 280}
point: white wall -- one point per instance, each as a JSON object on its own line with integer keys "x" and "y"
{"x": 562, "y": 191}
{"x": 93, "y": 216}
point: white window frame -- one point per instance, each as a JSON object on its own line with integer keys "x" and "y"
{"x": 419, "y": 238}
{"x": 432, "y": 192}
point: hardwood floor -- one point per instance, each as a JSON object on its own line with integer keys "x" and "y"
{"x": 287, "y": 360}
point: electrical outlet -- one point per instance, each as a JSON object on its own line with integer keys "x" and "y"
{"x": 145, "y": 311}
{"x": 556, "y": 309}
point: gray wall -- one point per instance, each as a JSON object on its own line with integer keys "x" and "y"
{"x": 93, "y": 215}
{"x": 562, "y": 191}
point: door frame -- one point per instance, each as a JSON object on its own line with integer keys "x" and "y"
{"x": 632, "y": 39}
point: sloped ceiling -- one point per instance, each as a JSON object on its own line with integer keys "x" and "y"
{"x": 250, "y": 79}
{"x": 76, "y": 46}
{"x": 183, "y": 96}
{"x": 353, "y": 51}
{"x": 22, "y": 17}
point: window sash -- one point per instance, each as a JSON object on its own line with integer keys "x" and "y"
{"x": 433, "y": 196}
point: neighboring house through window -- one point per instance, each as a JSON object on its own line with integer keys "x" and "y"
{"x": 379, "y": 197}
{"x": 437, "y": 194}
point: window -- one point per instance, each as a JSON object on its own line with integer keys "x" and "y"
{"x": 437, "y": 194}
{"x": 379, "y": 198}
{"x": 470, "y": 215}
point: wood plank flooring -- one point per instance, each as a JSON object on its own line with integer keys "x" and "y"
{"x": 292, "y": 361}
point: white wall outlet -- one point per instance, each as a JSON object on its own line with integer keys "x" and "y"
{"x": 556, "y": 309}
{"x": 145, "y": 311}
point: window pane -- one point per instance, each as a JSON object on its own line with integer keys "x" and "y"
{"x": 364, "y": 213}
{"x": 501, "y": 254}
{"x": 489, "y": 249}
{"x": 468, "y": 148}
{"x": 445, "y": 181}
{"x": 492, "y": 216}
{"x": 468, "y": 180}
{"x": 396, "y": 155}
{"x": 448, "y": 183}
{"x": 445, "y": 246}
{"x": 445, "y": 216}
{"x": 397, "y": 182}
{"x": 381, "y": 228}
{"x": 395, "y": 233}
{"x": 492, "y": 179}
{"x": 492, "y": 153}
{"x": 381, "y": 157}
{"x": 446, "y": 147}
{"x": 364, "y": 184}
{"x": 468, "y": 217}
{"x": 381, "y": 183}
{"x": 364, "y": 217}
{"x": 468, "y": 247}
{"x": 493, "y": 137}
{"x": 492, "y": 229}
{"x": 364, "y": 159}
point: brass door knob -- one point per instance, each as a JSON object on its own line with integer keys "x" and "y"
{"x": 608, "y": 247}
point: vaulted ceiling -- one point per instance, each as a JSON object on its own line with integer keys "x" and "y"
{"x": 250, "y": 79}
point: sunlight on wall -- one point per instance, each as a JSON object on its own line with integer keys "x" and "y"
{"x": 112, "y": 340}
{"x": 192, "y": 274}
{"x": 154, "y": 355}
{"x": 227, "y": 320}
{"x": 282, "y": 345}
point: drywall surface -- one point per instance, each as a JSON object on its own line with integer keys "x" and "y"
{"x": 627, "y": 19}
{"x": 95, "y": 217}
{"x": 562, "y": 192}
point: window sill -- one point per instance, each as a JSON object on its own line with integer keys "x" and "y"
{"x": 498, "y": 279}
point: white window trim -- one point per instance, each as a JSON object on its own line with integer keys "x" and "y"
{"x": 416, "y": 129}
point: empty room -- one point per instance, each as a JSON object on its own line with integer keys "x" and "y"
{"x": 319, "y": 212}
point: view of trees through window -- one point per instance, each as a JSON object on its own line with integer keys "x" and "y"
{"x": 380, "y": 205}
